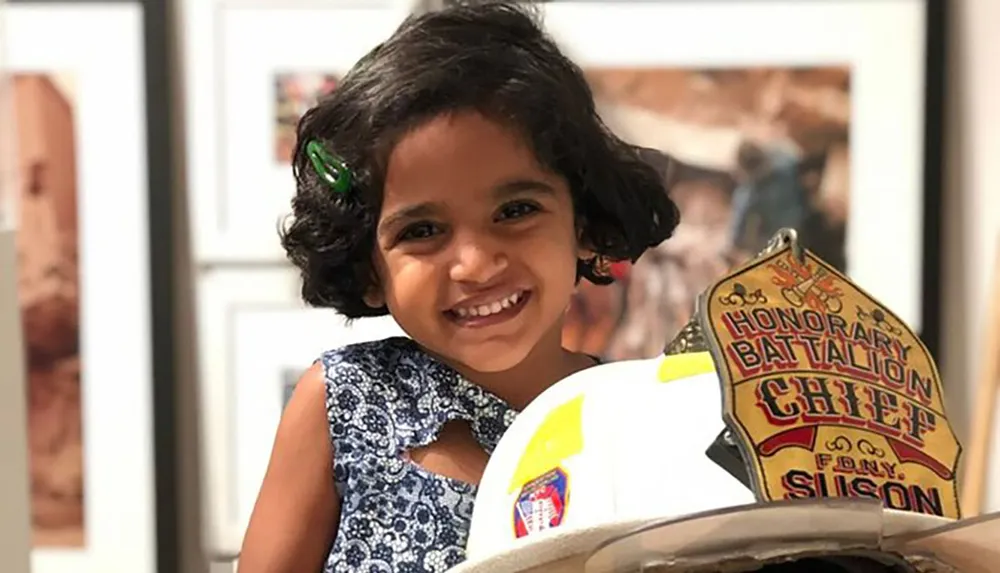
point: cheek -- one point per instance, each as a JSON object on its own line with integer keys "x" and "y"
{"x": 405, "y": 281}
{"x": 554, "y": 251}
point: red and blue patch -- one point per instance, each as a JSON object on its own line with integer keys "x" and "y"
{"x": 541, "y": 504}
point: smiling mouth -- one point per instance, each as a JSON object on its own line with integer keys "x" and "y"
{"x": 490, "y": 313}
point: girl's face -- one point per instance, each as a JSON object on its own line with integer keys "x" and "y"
{"x": 476, "y": 243}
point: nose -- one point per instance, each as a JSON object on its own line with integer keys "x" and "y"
{"x": 478, "y": 258}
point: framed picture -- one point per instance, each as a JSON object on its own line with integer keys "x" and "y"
{"x": 256, "y": 341}
{"x": 78, "y": 91}
{"x": 245, "y": 96}
{"x": 765, "y": 114}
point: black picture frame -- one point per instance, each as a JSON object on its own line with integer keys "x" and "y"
{"x": 935, "y": 97}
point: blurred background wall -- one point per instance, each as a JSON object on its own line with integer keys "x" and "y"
{"x": 972, "y": 210}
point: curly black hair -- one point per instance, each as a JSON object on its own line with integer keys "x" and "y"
{"x": 494, "y": 59}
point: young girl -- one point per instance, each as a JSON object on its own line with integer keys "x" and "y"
{"x": 460, "y": 180}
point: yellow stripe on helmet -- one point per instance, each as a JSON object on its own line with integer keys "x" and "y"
{"x": 677, "y": 366}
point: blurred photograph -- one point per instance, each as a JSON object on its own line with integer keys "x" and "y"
{"x": 294, "y": 94}
{"x": 49, "y": 296}
{"x": 744, "y": 152}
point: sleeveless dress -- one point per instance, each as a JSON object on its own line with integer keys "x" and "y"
{"x": 384, "y": 398}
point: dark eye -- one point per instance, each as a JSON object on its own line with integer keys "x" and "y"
{"x": 517, "y": 210}
{"x": 418, "y": 232}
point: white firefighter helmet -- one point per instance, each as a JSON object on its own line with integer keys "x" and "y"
{"x": 602, "y": 452}
{"x": 594, "y": 467}
{"x": 795, "y": 423}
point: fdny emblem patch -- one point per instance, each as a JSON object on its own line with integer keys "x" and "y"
{"x": 826, "y": 392}
{"x": 541, "y": 504}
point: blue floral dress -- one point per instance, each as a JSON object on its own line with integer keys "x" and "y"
{"x": 383, "y": 399}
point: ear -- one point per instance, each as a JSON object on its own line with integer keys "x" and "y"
{"x": 374, "y": 298}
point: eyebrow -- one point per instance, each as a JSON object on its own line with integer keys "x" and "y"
{"x": 501, "y": 191}
{"x": 411, "y": 212}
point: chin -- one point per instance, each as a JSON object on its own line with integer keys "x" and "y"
{"x": 492, "y": 358}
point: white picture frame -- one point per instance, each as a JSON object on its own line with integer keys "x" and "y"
{"x": 238, "y": 192}
{"x": 101, "y": 45}
{"x": 884, "y": 42}
{"x": 253, "y": 331}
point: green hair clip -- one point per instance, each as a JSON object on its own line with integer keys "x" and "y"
{"x": 330, "y": 168}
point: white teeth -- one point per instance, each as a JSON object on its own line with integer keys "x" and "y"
{"x": 491, "y": 308}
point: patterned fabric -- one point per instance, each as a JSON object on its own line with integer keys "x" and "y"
{"x": 383, "y": 399}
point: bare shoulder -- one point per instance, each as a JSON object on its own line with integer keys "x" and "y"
{"x": 304, "y": 420}
{"x": 295, "y": 516}
{"x": 309, "y": 394}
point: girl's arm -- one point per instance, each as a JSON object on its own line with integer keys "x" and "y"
{"x": 297, "y": 511}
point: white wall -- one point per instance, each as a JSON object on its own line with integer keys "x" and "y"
{"x": 972, "y": 206}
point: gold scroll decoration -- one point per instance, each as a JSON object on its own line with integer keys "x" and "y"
{"x": 826, "y": 392}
